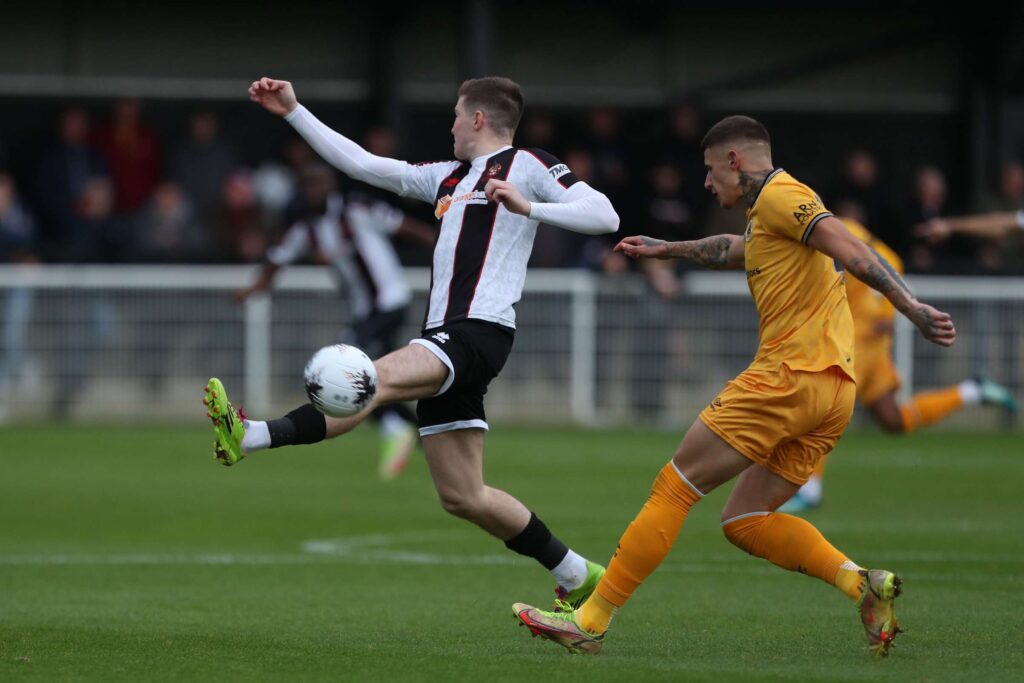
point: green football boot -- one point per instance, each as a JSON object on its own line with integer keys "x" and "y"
{"x": 228, "y": 423}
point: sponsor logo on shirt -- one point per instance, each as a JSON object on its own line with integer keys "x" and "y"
{"x": 474, "y": 197}
{"x": 446, "y": 202}
{"x": 807, "y": 211}
{"x": 443, "y": 204}
{"x": 558, "y": 171}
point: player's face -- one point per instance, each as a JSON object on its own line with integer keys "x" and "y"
{"x": 723, "y": 178}
{"x": 462, "y": 130}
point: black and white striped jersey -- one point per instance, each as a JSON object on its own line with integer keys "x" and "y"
{"x": 479, "y": 264}
{"x": 353, "y": 237}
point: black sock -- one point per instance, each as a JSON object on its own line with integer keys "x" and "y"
{"x": 303, "y": 425}
{"x": 536, "y": 541}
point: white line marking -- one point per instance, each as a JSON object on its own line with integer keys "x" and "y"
{"x": 400, "y": 549}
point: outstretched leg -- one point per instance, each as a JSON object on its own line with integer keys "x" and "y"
{"x": 455, "y": 459}
{"x": 407, "y": 374}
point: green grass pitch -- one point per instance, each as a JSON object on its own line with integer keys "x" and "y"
{"x": 129, "y": 554}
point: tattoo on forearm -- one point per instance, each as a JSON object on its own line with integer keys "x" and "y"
{"x": 712, "y": 252}
{"x": 875, "y": 275}
{"x": 892, "y": 271}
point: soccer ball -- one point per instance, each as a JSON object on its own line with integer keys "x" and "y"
{"x": 340, "y": 380}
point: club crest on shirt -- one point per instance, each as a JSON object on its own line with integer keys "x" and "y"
{"x": 748, "y": 234}
{"x": 494, "y": 170}
{"x": 443, "y": 204}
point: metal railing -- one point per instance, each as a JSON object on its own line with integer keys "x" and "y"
{"x": 126, "y": 342}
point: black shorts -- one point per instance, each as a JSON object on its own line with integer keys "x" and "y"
{"x": 475, "y": 351}
{"x": 375, "y": 334}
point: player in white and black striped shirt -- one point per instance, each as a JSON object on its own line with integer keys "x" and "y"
{"x": 488, "y": 203}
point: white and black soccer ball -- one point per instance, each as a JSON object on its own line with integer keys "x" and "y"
{"x": 340, "y": 380}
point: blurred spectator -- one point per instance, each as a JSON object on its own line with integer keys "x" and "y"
{"x": 17, "y": 237}
{"x": 682, "y": 143}
{"x": 240, "y": 227}
{"x": 1010, "y": 190}
{"x": 669, "y": 215}
{"x": 132, "y": 152}
{"x": 61, "y": 176}
{"x": 610, "y": 154}
{"x": 538, "y": 130}
{"x": 860, "y": 183}
{"x": 608, "y": 150}
{"x": 380, "y": 140}
{"x": 275, "y": 184}
{"x": 17, "y": 226}
{"x": 97, "y": 235}
{"x": 202, "y": 164}
{"x": 557, "y": 248}
{"x": 1005, "y": 254}
{"x": 168, "y": 230}
{"x": 928, "y": 202}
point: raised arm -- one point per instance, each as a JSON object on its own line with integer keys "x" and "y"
{"x": 984, "y": 225}
{"x": 719, "y": 252}
{"x": 831, "y": 238}
{"x": 278, "y": 97}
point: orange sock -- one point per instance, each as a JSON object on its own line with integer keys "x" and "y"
{"x": 928, "y": 407}
{"x": 642, "y": 547}
{"x": 794, "y": 544}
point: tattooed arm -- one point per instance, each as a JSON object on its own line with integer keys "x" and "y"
{"x": 718, "y": 251}
{"x": 831, "y": 238}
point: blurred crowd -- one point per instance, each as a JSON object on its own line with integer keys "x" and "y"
{"x": 112, "y": 190}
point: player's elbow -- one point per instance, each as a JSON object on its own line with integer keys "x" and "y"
{"x": 609, "y": 222}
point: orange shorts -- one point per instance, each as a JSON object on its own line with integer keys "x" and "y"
{"x": 876, "y": 373}
{"x": 785, "y": 420}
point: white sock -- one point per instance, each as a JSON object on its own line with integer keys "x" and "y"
{"x": 257, "y": 436}
{"x": 391, "y": 424}
{"x": 970, "y": 392}
{"x": 811, "y": 491}
{"x": 852, "y": 566}
{"x": 571, "y": 572}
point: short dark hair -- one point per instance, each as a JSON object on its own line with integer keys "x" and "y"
{"x": 734, "y": 129}
{"x": 498, "y": 97}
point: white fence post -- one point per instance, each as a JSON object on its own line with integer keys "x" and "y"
{"x": 583, "y": 353}
{"x": 903, "y": 353}
{"x": 257, "y": 353}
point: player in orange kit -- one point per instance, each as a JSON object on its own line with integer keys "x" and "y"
{"x": 771, "y": 424}
{"x": 878, "y": 380}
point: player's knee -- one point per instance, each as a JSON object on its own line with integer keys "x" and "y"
{"x": 459, "y": 504}
{"x": 732, "y": 533}
{"x": 742, "y": 532}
